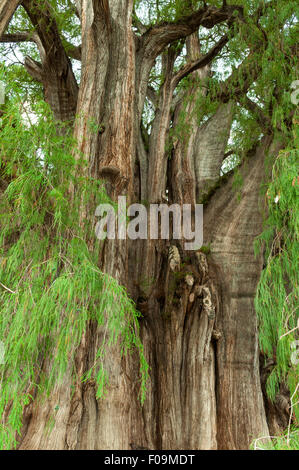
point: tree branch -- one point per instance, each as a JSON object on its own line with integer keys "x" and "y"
{"x": 157, "y": 38}
{"x": 202, "y": 61}
{"x": 152, "y": 95}
{"x": 262, "y": 119}
{"x": 74, "y": 52}
{"x": 7, "y": 9}
{"x": 17, "y": 37}
{"x": 34, "y": 68}
{"x": 26, "y": 36}
{"x": 242, "y": 77}
{"x": 61, "y": 89}
{"x": 31, "y": 36}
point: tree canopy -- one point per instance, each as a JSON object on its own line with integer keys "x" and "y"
{"x": 193, "y": 59}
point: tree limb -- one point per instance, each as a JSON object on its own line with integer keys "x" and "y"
{"x": 152, "y": 95}
{"x": 74, "y": 52}
{"x": 31, "y": 36}
{"x": 17, "y": 37}
{"x": 262, "y": 119}
{"x": 7, "y": 9}
{"x": 34, "y": 69}
{"x": 61, "y": 89}
{"x": 25, "y": 36}
{"x": 158, "y": 37}
{"x": 202, "y": 61}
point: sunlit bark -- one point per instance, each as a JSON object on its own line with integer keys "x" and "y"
{"x": 199, "y": 326}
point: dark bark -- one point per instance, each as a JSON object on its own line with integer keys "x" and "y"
{"x": 231, "y": 225}
{"x": 56, "y": 74}
{"x": 199, "y": 325}
{"x": 7, "y": 9}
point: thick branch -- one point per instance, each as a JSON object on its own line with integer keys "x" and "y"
{"x": 17, "y": 37}
{"x": 25, "y": 36}
{"x": 7, "y": 9}
{"x": 74, "y": 52}
{"x": 31, "y": 36}
{"x": 157, "y": 142}
{"x": 45, "y": 25}
{"x": 158, "y": 37}
{"x": 61, "y": 89}
{"x": 209, "y": 148}
{"x": 34, "y": 68}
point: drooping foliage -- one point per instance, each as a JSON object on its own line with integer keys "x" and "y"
{"x": 51, "y": 286}
{"x": 278, "y": 292}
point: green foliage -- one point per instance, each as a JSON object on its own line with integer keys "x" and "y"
{"x": 51, "y": 287}
{"x": 206, "y": 249}
{"x": 287, "y": 441}
{"x": 165, "y": 10}
{"x": 277, "y": 297}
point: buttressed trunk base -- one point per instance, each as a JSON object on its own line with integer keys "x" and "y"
{"x": 198, "y": 325}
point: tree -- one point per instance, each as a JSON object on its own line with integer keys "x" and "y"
{"x": 156, "y": 120}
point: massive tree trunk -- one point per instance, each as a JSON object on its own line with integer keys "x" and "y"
{"x": 199, "y": 327}
{"x": 231, "y": 226}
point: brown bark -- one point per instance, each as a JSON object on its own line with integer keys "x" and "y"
{"x": 199, "y": 326}
{"x": 55, "y": 71}
{"x": 232, "y": 226}
{"x": 200, "y": 339}
{"x": 7, "y": 9}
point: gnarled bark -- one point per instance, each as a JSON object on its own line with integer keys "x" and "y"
{"x": 231, "y": 226}
{"x": 55, "y": 71}
{"x": 199, "y": 326}
{"x": 7, "y": 9}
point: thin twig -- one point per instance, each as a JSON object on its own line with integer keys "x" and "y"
{"x": 291, "y": 414}
{"x": 7, "y": 288}
{"x": 288, "y": 332}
